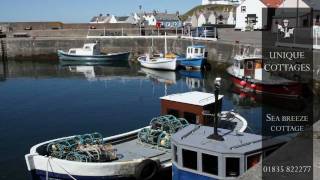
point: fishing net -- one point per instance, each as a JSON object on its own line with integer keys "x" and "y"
{"x": 161, "y": 129}
{"x": 82, "y": 148}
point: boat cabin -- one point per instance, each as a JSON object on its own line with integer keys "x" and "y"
{"x": 190, "y": 105}
{"x": 248, "y": 67}
{"x": 197, "y": 51}
{"x": 88, "y": 49}
{"x": 195, "y": 156}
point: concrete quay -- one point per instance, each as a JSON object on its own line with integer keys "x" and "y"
{"x": 293, "y": 151}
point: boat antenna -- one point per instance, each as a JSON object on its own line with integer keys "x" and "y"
{"x": 215, "y": 135}
{"x": 165, "y": 44}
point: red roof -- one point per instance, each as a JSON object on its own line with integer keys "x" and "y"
{"x": 272, "y": 3}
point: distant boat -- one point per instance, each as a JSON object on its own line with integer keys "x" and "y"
{"x": 164, "y": 61}
{"x": 90, "y": 52}
{"x": 248, "y": 74}
{"x": 195, "y": 58}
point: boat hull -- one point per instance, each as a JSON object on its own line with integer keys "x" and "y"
{"x": 180, "y": 174}
{"x": 161, "y": 64}
{"x": 196, "y": 63}
{"x": 290, "y": 90}
{"x": 42, "y": 175}
{"x": 41, "y": 166}
{"x": 123, "y": 56}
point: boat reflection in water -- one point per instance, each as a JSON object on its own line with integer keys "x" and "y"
{"x": 167, "y": 77}
{"x": 102, "y": 71}
{"x": 194, "y": 79}
{"x": 250, "y": 99}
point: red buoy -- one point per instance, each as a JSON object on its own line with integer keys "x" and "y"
{"x": 253, "y": 86}
{"x": 243, "y": 83}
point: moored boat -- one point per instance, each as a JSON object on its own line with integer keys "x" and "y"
{"x": 166, "y": 61}
{"x": 195, "y": 58}
{"x": 90, "y": 53}
{"x": 248, "y": 74}
{"x": 161, "y": 63}
{"x": 137, "y": 154}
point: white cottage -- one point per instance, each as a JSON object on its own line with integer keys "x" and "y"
{"x": 250, "y": 13}
{"x": 109, "y": 18}
{"x": 202, "y": 20}
{"x": 222, "y": 2}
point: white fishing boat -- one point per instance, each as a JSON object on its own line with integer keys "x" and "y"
{"x": 164, "y": 61}
{"x": 91, "y": 53}
{"x": 137, "y": 154}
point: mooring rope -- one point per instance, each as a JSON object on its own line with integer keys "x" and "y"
{"x": 47, "y": 173}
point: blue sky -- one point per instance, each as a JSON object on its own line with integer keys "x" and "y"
{"x": 82, "y": 10}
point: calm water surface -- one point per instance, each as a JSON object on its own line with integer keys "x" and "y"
{"x": 42, "y": 100}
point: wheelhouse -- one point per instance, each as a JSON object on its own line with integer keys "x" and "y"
{"x": 248, "y": 67}
{"x": 196, "y": 52}
{"x": 197, "y": 157}
{"x": 190, "y": 105}
{"x": 87, "y": 49}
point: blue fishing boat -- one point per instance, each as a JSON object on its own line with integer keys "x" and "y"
{"x": 210, "y": 153}
{"x": 195, "y": 58}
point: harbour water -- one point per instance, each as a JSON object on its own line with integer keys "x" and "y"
{"x": 41, "y": 100}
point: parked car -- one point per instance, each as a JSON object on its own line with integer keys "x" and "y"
{"x": 209, "y": 31}
{"x": 28, "y": 28}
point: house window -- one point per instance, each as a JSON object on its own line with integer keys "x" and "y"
{"x": 189, "y": 159}
{"x": 191, "y": 117}
{"x": 175, "y": 153}
{"x": 243, "y": 9}
{"x": 173, "y": 112}
{"x": 210, "y": 164}
{"x": 232, "y": 167}
{"x": 318, "y": 19}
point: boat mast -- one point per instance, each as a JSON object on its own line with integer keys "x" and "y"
{"x": 165, "y": 44}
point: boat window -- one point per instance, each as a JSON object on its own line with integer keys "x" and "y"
{"x": 232, "y": 167}
{"x": 210, "y": 164}
{"x": 87, "y": 47}
{"x": 73, "y": 52}
{"x": 253, "y": 160}
{"x": 249, "y": 65}
{"x": 175, "y": 153}
{"x": 191, "y": 117}
{"x": 173, "y": 112}
{"x": 241, "y": 65}
{"x": 189, "y": 159}
{"x": 196, "y": 51}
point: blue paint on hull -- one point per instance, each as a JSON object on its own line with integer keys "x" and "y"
{"x": 178, "y": 174}
{"x": 193, "y": 62}
{"x": 41, "y": 175}
{"x": 192, "y": 74}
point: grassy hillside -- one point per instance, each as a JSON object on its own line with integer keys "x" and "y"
{"x": 201, "y": 8}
